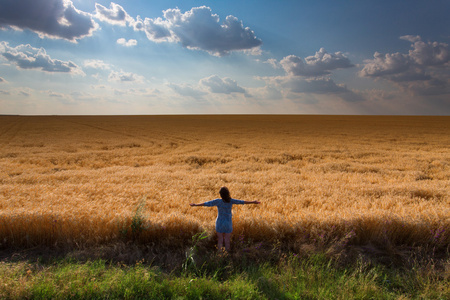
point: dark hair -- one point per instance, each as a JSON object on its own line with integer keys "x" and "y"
{"x": 225, "y": 194}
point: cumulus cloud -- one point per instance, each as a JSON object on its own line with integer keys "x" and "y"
{"x": 425, "y": 69}
{"x": 55, "y": 94}
{"x": 115, "y": 14}
{"x": 187, "y": 90}
{"x": 273, "y": 62}
{"x": 28, "y": 57}
{"x": 50, "y": 18}
{"x": 122, "y": 76}
{"x": 96, "y": 64}
{"x": 157, "y": 30}
{"x": 427, "y": 54}
{"x": 221, "y": 85}
{"x": 24, "y": 93}
{"x": 388, "y": 64}
{"x": 429, "y": 87}
{"x": 129, "y": 43}
{"x": 312, "y": 75}
{"x": 319, "y": 64}
{"x": 137, "y": 24}
{"x": 268, "y": 93}
{"x": 200, "y": 29}
{"x": 321, "y": 85}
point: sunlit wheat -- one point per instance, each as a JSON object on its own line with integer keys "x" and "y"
{"x": 79, "y": 180}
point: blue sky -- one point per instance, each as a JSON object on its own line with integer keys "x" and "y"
{"x": 221, "y": 57}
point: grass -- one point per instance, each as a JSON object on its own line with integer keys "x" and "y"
{"x": 220, "y": 277}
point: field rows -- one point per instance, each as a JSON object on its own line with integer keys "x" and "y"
{"x": 363, "y": 180}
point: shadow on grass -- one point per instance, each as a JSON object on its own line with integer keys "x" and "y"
{"x": 269, "y": 288}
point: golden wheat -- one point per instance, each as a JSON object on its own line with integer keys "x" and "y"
{"x": 79, "y": 180}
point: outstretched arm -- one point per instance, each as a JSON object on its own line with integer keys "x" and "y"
{"x": 251, "y": 202}
{"x": 197, "y": 204}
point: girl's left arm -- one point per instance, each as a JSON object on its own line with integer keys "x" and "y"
{"x": 251, "y": 202}
{"x": 197, "y": 204}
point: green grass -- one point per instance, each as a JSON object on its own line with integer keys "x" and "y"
{"x": 221, "y": 276}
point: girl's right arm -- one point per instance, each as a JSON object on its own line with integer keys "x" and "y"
{"x": 207, "y": 203}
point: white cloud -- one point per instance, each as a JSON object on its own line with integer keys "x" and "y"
{"x": 255, "y": 51}
{"x": 388, "y": 64}
{"x": 24, "y": 93}
{"x": 98, "y": 87}
{"x": 411, "y": 38}
{"x": 28, "y": 57}
{"x": 157, "y": 30}
{"x": 129, "y": 43}
{"x": 428, "y": 87}
{"x": 312, "y": 75}
{"x": 268, "y": 93}
{"x": 273, "y": 62}
{"x": 424, "y": 70}
{"x": 96, "y": 64}
{"x": 319, "y": 64}
{"x": 221, "y": 86}
{"x": 187, "y": 90}
{"x": 2, "y": 80}
{"x": 50, "y": 18}
{"x": 428, "y": 54}
{"x": 321, "y": 85}
{"x": 137, "y": 24}
{"x": 124, "y": 77}
{"x": 200, "y": 29}
{"x": 115, "y": 14}
{"x": 55, "y": 94}
{"x": 148, "y": 92}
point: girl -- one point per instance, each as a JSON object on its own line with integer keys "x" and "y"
{"x": 224, "y": 225}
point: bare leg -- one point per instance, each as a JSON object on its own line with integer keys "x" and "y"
{"x": 227, "y": 238}
{"x": 219, "y": 241}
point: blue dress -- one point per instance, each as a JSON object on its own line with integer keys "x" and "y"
{"x": 223, "y": 221}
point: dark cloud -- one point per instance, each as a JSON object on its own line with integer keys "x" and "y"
{"x": 28, "y": 57}
{"x": 200, "y": 29}
{"x": 319, "y": 64}
{"x": 51, "y": 18}
{"x": 424, "y": 70}
{"x": 221, "y": 86}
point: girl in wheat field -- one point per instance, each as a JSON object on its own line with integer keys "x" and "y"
{"x": 224, "y": 225}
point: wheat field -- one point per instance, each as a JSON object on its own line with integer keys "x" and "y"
{"x": 364, "y": 180}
